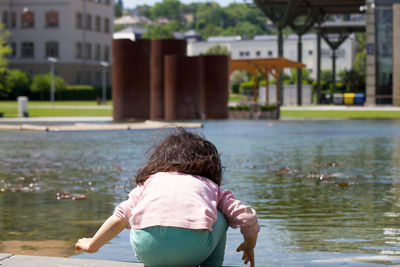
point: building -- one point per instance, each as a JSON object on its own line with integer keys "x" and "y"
{"x": 266, "y": 46}
{"x": 383, "y": 56}
{"x": 76, "y": 32}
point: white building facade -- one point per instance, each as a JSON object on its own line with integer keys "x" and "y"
{"x": 266, "y": 46}
{"x": 76, "y": 32}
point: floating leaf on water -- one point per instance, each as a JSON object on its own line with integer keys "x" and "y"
{"x": 78, "y": 196}
{"x": 63, "y": 195}
{"x": 20, "y": 189}
{"x": 68, "y": 195}
{"x": 323, "y": 176}
{"x": 332, "y": 164}
{"x": 287, "y": 170}
{"x": 345, "y": 184}
{"x": 354, "y": 176}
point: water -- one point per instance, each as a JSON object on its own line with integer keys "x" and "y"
{"x": 327, "y": 193}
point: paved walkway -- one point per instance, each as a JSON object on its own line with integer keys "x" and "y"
{"x": 9, "y": 260}
{"x": 342, "y": 107}
{"x": 57, "y": 119}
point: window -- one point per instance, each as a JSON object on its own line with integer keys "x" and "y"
{"x": 97, "y": 52}
{"x": 310, "y": 52}
{"x": 98, "y": 24}
{"x": 106, "y": 25}
{"x": 52, "y": 49}
{"x": 107, "y": 2}
{"x": 13, "y": 49}
{"x": 13, "y": 20}
{"x": 78, "y": 50}
{"x": 247, "y": 53}
{"x": 258, "y": 53}
{"x": 88, "y": 22}
{"x": 106, "y": 53}
{"x": 98, "y": 77}
{"x": 52, "y": 19}
{"x": 270, "y": 53}
{"x": 27, "y": 50}
{"x": 78, "y": 21}
{"x": 88, "y": 77}
{"x": 4, "y": 19}
{"x": 88, "y": 52}
{"x": 28, "y": 19}
{"x": 78, "y": 77}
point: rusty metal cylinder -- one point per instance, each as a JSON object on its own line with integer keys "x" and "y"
{"x": 214, "y": 102}
{"x": 131, "y": 79}
{"x": 159, "y": 49}
{"x": 183, "y": 86}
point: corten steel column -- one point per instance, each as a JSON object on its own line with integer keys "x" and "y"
{"x": 183, "y": 84}
{"x": 131, "y": 79}
{"x": 159, "y": 49}
{"x": 215, "y": 95}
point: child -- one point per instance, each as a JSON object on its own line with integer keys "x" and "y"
{"x": 178, "y": 214}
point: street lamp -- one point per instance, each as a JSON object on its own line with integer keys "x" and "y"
{"x": 52, "y": 60}
{"x": 105, "y": 66}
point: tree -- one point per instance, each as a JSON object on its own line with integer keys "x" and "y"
{"x": 158, "y": 32}
{"x": 218, "y": 50}
{"x": 211, "y": 30}
{"x": 18, "y": 82}
{"x": 4, "y": 48}
{"x": 168, "y": 9}
{"x": 4, "y": 51}
{"x": 118, "y": 9}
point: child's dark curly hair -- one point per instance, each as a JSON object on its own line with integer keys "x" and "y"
{"x": 183, "y": 152}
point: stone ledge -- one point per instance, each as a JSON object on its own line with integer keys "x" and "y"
{"x": 37, "y": 261}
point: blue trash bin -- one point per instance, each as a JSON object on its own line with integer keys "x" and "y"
{"x": 359, "y": 99}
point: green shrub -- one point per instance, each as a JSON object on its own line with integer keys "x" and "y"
{"x": 80, "y": 87}
{"x": 267, "y": 107}
{"x": 41, "y": 83}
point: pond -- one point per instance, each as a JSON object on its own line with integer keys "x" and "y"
{"x": 326, "y": 192}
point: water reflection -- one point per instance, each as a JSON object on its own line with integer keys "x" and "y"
{"x": 322, "y": 190}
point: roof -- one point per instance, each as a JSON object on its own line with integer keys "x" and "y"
{"x": 130, "y": 20}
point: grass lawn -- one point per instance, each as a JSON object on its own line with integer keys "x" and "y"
{"x": 345, "y": 114}
{"x": 61, "y": 108}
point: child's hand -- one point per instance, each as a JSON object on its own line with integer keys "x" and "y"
{"x": 85, "y": 244}
{"x": 248, "y": 249}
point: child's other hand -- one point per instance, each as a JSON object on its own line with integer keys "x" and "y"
{"x": 248, "y": 249}
{"x": 85, "y": 244}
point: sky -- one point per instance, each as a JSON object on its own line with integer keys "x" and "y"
{"x": 133, "y": 3}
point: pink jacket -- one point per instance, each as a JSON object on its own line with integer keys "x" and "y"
{"x": 185, "y": 201}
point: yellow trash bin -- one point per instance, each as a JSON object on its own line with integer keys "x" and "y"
{"x": 348, "y": 98}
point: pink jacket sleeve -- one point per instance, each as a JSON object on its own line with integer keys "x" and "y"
{"x": 237, "y": 214}
{"x": 124, "y": 209}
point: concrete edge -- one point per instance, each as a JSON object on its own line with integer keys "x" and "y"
{"x": 38, "y": 261}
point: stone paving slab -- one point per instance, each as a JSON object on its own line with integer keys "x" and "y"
{"x": 4, "y": 256}
{"x": 36, "y": 261}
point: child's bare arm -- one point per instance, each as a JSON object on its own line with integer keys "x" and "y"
{"x": 110, "y": 229}
{"x": 248, "y": 249}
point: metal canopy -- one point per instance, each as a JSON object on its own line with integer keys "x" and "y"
{"x": 342, "y": 26}
{"x": 325, "y": 6}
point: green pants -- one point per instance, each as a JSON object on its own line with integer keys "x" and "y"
{"x": 172, "y": 246}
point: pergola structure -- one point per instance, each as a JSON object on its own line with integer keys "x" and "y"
{"x": 266, "y": 66}
{"x": 301, "y": 15}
